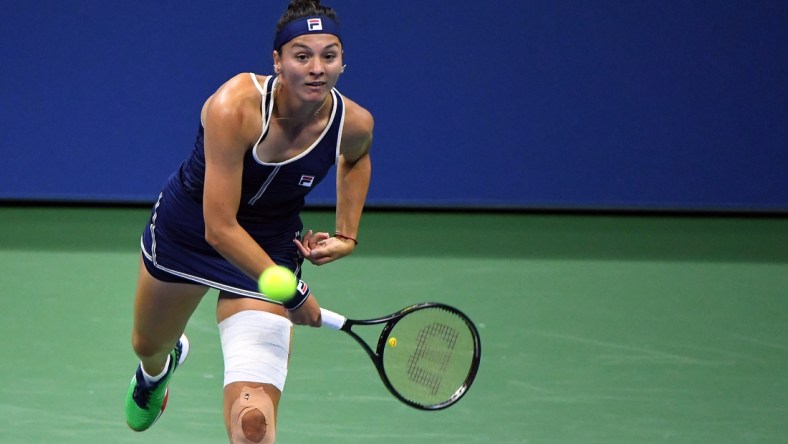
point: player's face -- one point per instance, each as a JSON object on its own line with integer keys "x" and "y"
{"x": 310, "y": 65}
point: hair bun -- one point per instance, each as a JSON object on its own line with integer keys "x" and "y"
{"x": 297, "y": 3}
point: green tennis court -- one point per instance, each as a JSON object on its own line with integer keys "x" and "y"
{"x": 595, "y": 329}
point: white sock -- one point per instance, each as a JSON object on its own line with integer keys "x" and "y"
{"x": 157, "y": 378}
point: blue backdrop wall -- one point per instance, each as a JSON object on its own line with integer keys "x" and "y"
{"x": 651, "y": 104}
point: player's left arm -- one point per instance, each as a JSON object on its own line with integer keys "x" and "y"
{"x": 354, "y": 170}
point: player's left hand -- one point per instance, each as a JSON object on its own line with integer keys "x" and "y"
{"x": 321, "y": 248}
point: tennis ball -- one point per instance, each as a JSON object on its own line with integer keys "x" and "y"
{"x": 392, "y": 342}
{"x": 277, "y": 283}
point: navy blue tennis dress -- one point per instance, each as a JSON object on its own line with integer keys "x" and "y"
{"x": 173, "y": 244}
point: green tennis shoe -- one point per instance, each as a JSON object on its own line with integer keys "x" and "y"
{"x": 145, "y": 402}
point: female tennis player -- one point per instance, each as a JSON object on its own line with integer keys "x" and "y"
{"x": 232, "y": 210}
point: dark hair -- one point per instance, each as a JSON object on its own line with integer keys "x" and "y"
{"x": 304, "y": 8}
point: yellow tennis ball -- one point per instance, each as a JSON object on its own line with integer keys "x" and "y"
{"x": 277, "y": 283}
{"x": 392, "y": 342}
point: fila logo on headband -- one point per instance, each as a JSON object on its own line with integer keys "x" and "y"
{"x": 314, "y": 24}
{"x": 306, "y": 181}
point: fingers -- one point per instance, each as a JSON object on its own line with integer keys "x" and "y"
{"x": 319, "y": 248}
{"x": 302, "y": 250}
{"x": 320, "y": 238}
{"x": 312, "y": 240}
{"x": 327, "y": 251}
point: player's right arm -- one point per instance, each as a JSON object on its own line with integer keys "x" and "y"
{"x": 231, "y": 121}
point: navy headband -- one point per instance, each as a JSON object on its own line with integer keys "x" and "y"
{"x": 318, "y": 24}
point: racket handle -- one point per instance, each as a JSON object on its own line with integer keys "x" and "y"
{"x": 334, "y": 321}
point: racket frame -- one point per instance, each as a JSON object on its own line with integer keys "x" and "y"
{"x": 391, "y": 321}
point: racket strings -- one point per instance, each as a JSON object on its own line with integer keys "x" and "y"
{"x": 433, "y": 359}
{"x": 437, "y": 353}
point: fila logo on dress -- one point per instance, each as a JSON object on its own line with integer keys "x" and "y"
{"x": 306, "y": 181}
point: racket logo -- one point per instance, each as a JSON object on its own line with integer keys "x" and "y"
{"x": 433, "y": 352}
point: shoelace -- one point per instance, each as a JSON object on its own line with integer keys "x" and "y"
{"x": 142, "y": 393}
{"x": 144, "y": 389}
{"x": 178, "y": 352}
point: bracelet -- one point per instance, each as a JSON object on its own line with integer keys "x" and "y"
{"x": 300, "y": 296}
{"x": 342, "y": 236}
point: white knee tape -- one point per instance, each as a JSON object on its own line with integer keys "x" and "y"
{"x": 256, "y": 347}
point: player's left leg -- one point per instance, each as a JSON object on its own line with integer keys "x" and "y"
{"x": 161, "y": 311}
{"x": 250, "y": 412}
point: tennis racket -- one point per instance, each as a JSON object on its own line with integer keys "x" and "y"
{"x": 427, "y": 354}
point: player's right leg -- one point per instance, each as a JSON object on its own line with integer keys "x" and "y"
{"x": 161, "y": 312}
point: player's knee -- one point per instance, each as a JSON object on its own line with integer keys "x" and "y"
{"x": 252, "y": 418}
{"x": 254, "y": 425}
{"x": 143, "y": 347}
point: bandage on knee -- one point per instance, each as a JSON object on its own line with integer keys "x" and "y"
{"x": 256, "y": 348}
{"x": 252, "y": 419}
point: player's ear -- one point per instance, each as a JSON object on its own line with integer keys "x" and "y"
{"x": 277, "y": 61}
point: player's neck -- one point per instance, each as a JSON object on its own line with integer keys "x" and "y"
{"x": 285, "y": 109}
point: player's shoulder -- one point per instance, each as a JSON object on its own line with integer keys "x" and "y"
{"x": 358, "y": 120}
{"x": 238, "y": 88}
{"x": 236, "y": 99}
{"x": 357, "y": 130}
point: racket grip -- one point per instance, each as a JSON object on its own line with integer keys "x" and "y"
{"x": 334, "y": 321}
